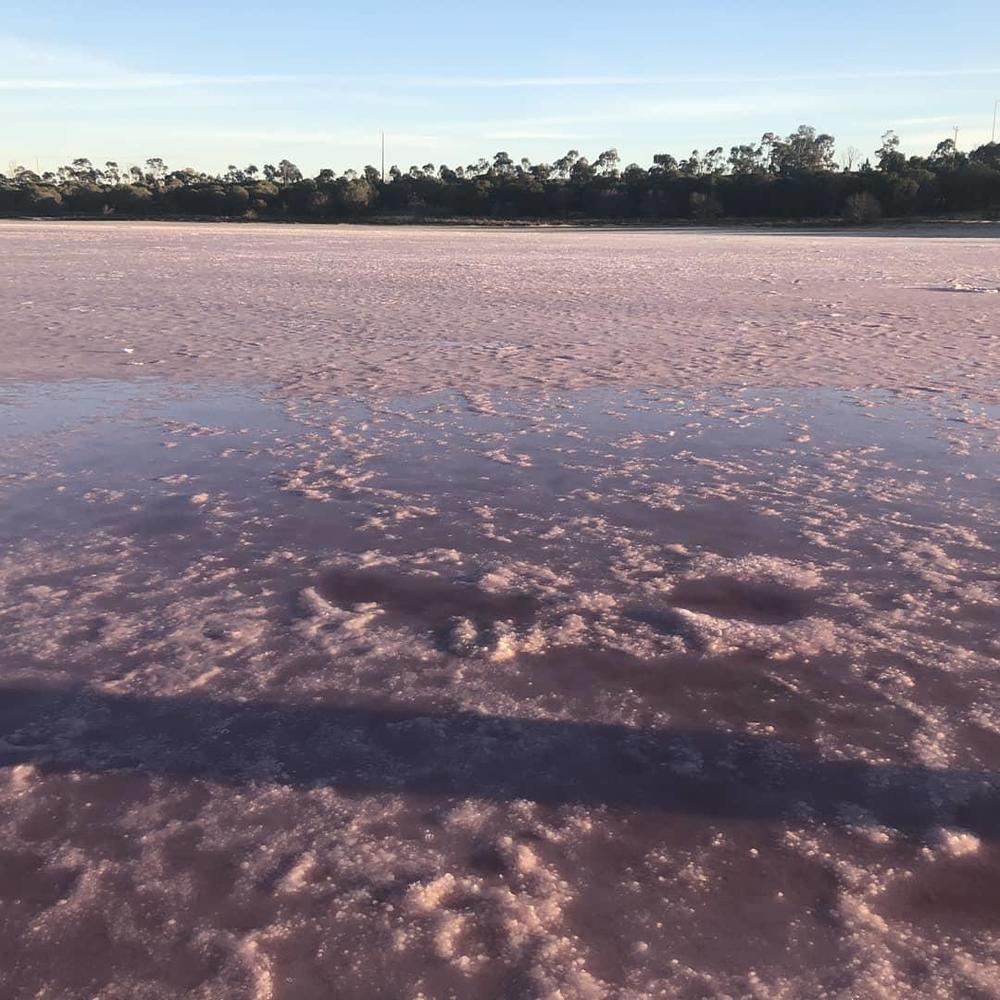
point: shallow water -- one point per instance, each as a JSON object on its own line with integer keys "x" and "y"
{"x": 608, "y": 692}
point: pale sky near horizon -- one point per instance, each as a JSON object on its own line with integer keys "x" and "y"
{"x": 208, "y": 84}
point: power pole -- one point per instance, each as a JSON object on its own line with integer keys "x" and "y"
{"x": 993, "y": 134}
{"x": 956, "y": 137}
{"x": 382, "y": 134}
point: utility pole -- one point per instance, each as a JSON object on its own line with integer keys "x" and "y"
{"x": 382, "y": 134}
{"x": 993, "y": 134}
{"x": 956, "y": 137}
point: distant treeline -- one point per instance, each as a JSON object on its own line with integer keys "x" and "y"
{"x": 793, "y": 177}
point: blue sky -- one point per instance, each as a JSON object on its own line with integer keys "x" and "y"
{"x": 207, "y": 84}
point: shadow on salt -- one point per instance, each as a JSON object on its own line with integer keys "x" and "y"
{"x": 461, "y": 755}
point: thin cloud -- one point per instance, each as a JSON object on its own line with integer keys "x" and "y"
{"x": 526, "y": 135}
{"x": 45, "y": 67}
{"x": 968, "y": 138}
{"x": 640, "y": 112}
{"x": 930, "y": 120}
{"x": 157, "y": 81}
{"x": 307, "y": 137}
{"x": 529, "y": 82}
{"x": 144, "y": 81}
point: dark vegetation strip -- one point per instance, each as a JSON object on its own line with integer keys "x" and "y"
{"x": 792, "y": 178}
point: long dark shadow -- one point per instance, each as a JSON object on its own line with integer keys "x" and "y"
{"x": 467, "y": 755}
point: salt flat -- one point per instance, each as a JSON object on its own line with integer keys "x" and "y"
{"x": 445, "y": 613}
{"x": 408, "y": 309}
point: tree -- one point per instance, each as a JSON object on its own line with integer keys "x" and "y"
{"x": 862, "y": 207}
{"x": 607, "y": 162}
{"x": 691, "y": 167}
{"x": 802, "y": 152}
{"x": 289, "y": 172}
{"x": 22, "y": 175}
{"x": 890, "y": 159}
{"x": 565, "y": 163}
{"x": 946, "y": 154}
{"x": 83, "y": 170}
{"x": 185, "y": 176}
{"x": 157, "y": 170}
{"x": 80, "y": 171}
{"x": 131, "y": 199}
{"x": 666, "y": 163}
{"x": 582, "y": 172}
{"x": 502, "y": 163}
{"x": 237, "y": 199}
{"x": 358, "y": 194}
{"x": 746, "y": 160}
{"x": 712, "y": 162}
{"x": 633, "y": 175}
{"x": 43, "y": 200}
{"x": 988, "y": 154}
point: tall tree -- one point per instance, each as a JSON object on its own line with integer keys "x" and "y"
{"x": 289, "y": 172}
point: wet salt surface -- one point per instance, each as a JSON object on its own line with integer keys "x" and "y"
{"x": 590, "y": 693}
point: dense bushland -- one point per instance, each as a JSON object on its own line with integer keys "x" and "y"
{"x": 791, "y": 177}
